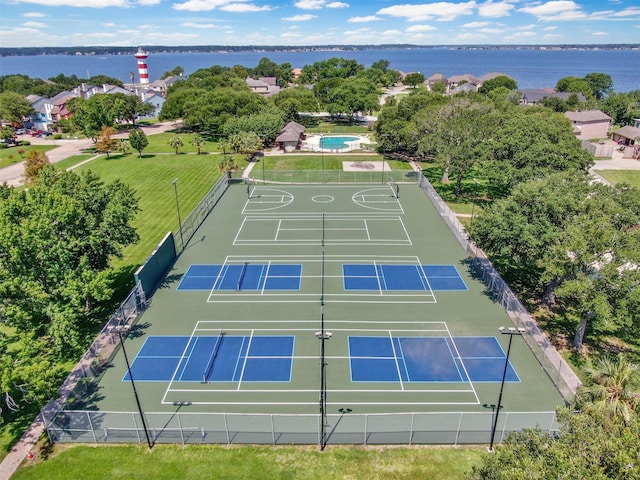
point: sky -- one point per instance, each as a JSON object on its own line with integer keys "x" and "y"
{"x": 27, "y": 23}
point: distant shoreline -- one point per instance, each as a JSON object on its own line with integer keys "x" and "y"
{"x": 110, "y": 50}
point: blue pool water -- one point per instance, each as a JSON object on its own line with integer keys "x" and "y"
{"x": 337, "y": 143}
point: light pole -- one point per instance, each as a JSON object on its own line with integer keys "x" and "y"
{"x": 133, "y": 385}
{"x": 511, "y": 331}
{"x": 175, "y": 188}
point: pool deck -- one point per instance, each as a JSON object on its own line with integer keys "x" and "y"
{"x": 312, "y": 143}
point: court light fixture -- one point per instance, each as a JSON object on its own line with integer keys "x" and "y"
{"x": 175, "y": 188}
{"x": 511, "y": 331}
{"x": 125, "y": 328}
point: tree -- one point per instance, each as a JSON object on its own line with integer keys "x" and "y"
{"x": 93, "y": 114}
{"x": 30, "y": 372}
{"x": 497, "y": 82}
{"x": 105, "y": 143}
{"x": 138, "y": 140}
{"x": 198, "y": 142}
{"x": 353, "y": 96}
{"x": 58, "y": 239}
{"x": 588, "y": 446}
{"x": 35, "y": 161}
{"x": 228, "y": 164}
{"x": 176, "y": 71}
{"x": 454, "y": 134}
{"x": 575, "y": 85}
{"x": 123, "y": 145}
{"x": 601, "y": 84}
{"x": 245, "y": 142}
{"x": 612, "y": 388}
{"x": 176, "y": 142}
{"x": 14, "y": 107}
{"x": 267, "y": 124}
{"x": 413, "y": 79}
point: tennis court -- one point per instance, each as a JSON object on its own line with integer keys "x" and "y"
{"x": 343, "y": 299}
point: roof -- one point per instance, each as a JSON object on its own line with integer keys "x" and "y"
{"x": 465, "y": 87}
{"x": 492, "y": 75}
{"x": 291, "y": 132}
{"x": 294, "y": 126}
{"x": 467, "y": 77}
{"x": 628, "y": 132}
{"x": 588, "y": 116}
{"x": 437, "y": 77}
{"x": 536, "y": 95}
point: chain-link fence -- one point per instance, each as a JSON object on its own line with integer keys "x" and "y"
{"x": 200, "y": 212}
{"x": 445, "y": 428}
{"x": 332, "y": 176}
{"x": 556, "y": 367}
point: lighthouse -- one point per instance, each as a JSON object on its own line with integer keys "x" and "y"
{"x": 141, "y": 56}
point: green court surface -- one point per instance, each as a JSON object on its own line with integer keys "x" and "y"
{"x": 411, "y": 337}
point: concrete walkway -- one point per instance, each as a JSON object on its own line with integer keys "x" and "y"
{"x": 12, "y": 174}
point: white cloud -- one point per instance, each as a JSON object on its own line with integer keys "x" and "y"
{"x": 109, "y": 24}
{"x": 442, "y": 11}
{"x": 310, "y": 4}
{"x": 337, "y": 5}
{"x": 291, "y": 35}
{"x": 81, "y": 3}
{"x": 420, "y": 28}
{"x": 369, "y": 18}
{"x": 147, "y": 3}
{"x": 34, "y": 15}
{"x": 627, "y": 12}
{"x": 244, "y": 8}
{"x": 199, "y": 25}
{"x": 475, "y": 24}
{"x": 600, "y": 34}
{"x": 550, "y": 27}
{"x": 519, "y": 36}
{"x": 300, "y": 18}
{"x": 556, "y": 10}
{"x": 200, "y": 5}
{"x": 495, "y": 9}
{"x": 34, "y": 25}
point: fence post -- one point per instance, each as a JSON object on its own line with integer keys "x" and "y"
{"x": 93, "y": 432}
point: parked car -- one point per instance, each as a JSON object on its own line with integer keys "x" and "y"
{"x": 21, "y": 131}
{"x": 45, "y": 134}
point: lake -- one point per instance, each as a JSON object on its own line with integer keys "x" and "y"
{"x": 531, "y": 68}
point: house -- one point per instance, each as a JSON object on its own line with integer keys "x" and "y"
{"x": 463, "y": 88}
{"x": 265, "y": 86}
{"x": 589, "y": 124}
{"x": 627, "y": 135}
{"x": 154, "y": 99}
{"x": 535, "y": 96}
{"x": 456, "y": 80}
{"x": 434, "y": 79}
{"x": 290, "y": 137}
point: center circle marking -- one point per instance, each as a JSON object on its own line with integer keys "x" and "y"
{"x": 323, "y": 198}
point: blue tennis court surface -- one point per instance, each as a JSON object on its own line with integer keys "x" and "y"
{"x": 217, "y": 358}
{"x": 428, "y": 359}
{"x": 372, "y": 276}
{"x": 253, "y": 277}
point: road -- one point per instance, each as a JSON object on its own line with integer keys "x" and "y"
{"x": 12, "y": 174}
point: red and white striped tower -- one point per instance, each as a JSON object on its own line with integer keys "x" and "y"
{"x": 141, "y": 56}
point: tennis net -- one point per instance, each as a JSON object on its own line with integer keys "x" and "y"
{"x": 214, "y": 353}
{"x": 241, "y": 277}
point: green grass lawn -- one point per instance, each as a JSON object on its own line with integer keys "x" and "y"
{"x": 159, "y": 143}
{"x": 632, "y": 177}
{"x": 315, "y": 161}
{"x": 334, "y": 128}
{"x": 152, "y": 177}
{"x": 11, "y": 155}
{"x": 169, "y": 462}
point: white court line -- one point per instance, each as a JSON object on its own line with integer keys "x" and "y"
{"x": 183, "y": 357}
{"x": 366, "y": 227}
{"x": 463, "y": 365}
{"x": 244, "y": 364}
{"x": 395, "y": 357}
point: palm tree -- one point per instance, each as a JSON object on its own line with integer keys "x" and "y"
{"x": 198, "y": 142}
{"x": 612, "y": 387}
{"x": 176, "y": 142}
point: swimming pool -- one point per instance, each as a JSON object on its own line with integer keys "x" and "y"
{"x": 339, "y": 143}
